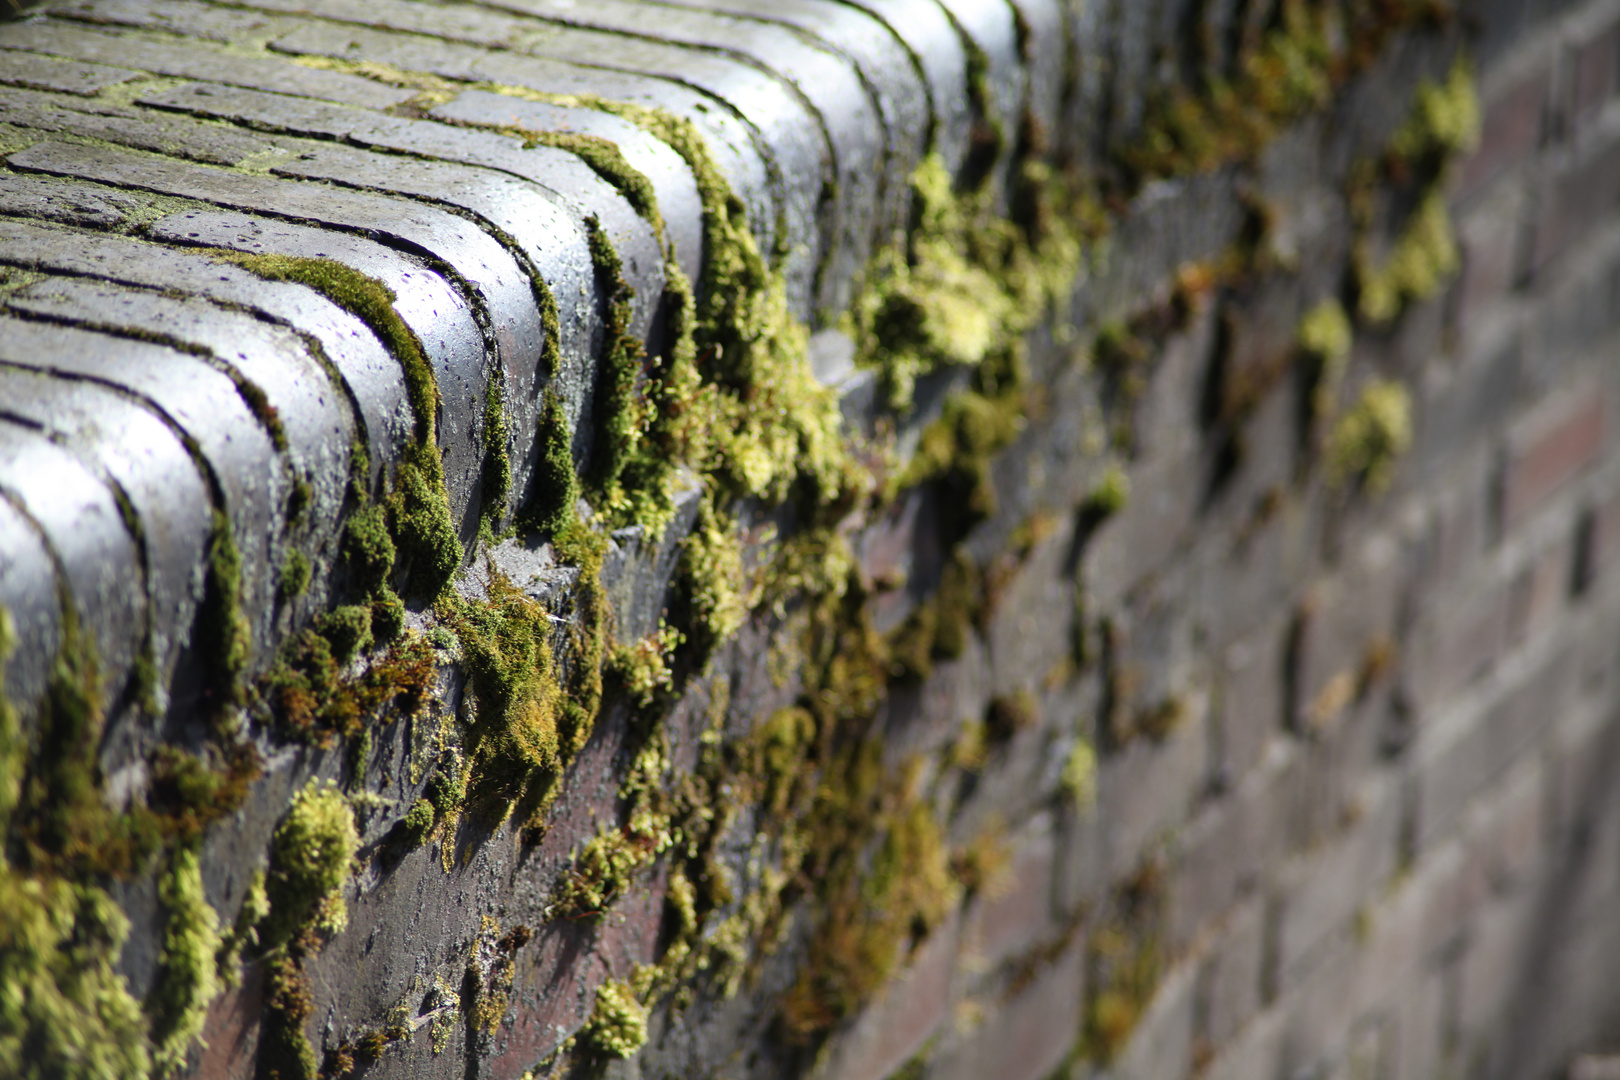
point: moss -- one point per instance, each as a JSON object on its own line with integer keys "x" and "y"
{"x": 347, "y": 630}
{"x": 368, "y": 550}
{"x": 1325, "y": 332}
{"x": 617, "y": 1027}
{"x": 1444, "y": 120}
{"x": 66, "y": 1012}
{"x": 497, "y": 471}
{"x": 1079, "y": 779}
{"x": 188, "y": 975}
{"x": 418, "y": 822}
{"x": 387, "y": 617}
{"x": 713, "y": 578}
{"x": 244, "y": 934}
{"x": 1424, "y": 257}
{"x": 643, "y": 669}
{"x": 1110, "y": 495}
{"x": 284, "y": 1051}
{"x": 295, "y": 575}
{"x": 556, "y": 486}
{"x": 1125, "y": 958}
{"x": 222, "y": 626}
{"x": 618, "y": 425}
{"x": 1371, "y": 437}
{"x": 607, "y": 161}
{"x": 311, "y": 856}
{"x": 418, "y": 509}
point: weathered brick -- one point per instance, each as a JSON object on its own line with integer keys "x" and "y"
{"x": 1542, "y": 588}
{"x": 1322, "y": 890}
{"x": 1492, "y": 968}
{"x": 1581, "y": 191}
{"x": 1255, "y": 1053}
{"x": 1593, "y": 64}
{"x": 1511, "y": 128}
{"x": 1147, "y": 787}
{"x": 1549, "y": 450}
{"x": 1491, "y": 234}
{"x": 1026, "y": 1037}
{"x": 1345, "y": 624}
{"x": 910, "y": 1010}
{"x": 1252, "y": 705}
{"x": 1230, "y": 986}
{"x": 1476, "y": 746}
{"x": 1160, "y": 1047}
{"x": 1456, "y": 641}
{"x": 1418, "y": 1018}
{"x": 1016, "y": 911}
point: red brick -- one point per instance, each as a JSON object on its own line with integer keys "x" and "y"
{"x": 1511, "y": 129}
{"x": 1541, "y": 590}
{"x": 1551, "y": 452}
{"x": 1015, "y": 912}
{"x": 1603, "y": 545}
{"x": 1028, "y": 1036}
{"x": 1490, "y": 235}
{"x": 910, "y": 1010}
{"x": 232, "y": 1030}
{"x": 1593, "y": 66}
{"x": 1582, "y": 192}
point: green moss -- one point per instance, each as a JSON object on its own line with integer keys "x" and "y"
{"x": 387, "y": 617}
{"x": 295, "y": 575}
{"x": 607, "y": 161}
{"x": 1371, "y": 437}
{"x": 617, "y": 1027}
{"x": 713, "y": 578}
{"x": 618, "y": 427}
{"x": 1424, "y": 257}
{"x": 418, "y": 822}
{"x": 497, "y": 472}
{"x": 311, "y": 856}
{"x": 188, "y": 975}
{"x": 1125, "y": 958}
{"x": 1079, "y": 780}
{"x": 643, "y": 670}
{"x": 221, "y": 624}
{"x": 556, "y": 486}
{"x": 418, "y": 510}
{"x": 285, "y": 1052}
{"x": 1111, "y": 494}
{"x": 347, "y": 630}
{"x": 1444, "y": 120}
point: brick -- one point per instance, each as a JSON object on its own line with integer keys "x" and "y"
{"x": 909, "y": 1011}
{"x": 1542, "y": 588}
{"x": 1147, "y": 787}
{"x": 1160, "y": 1047}
{"x": 1324, "y": 889}
{"x": 1255, "y": 1053}
{"x": 1492, "y": 969}
{"x": 1509, "y": 838}
{"x": 1594, "y": 64}
{"x": 1026, "y": 1037}
{"x": 1582, "y": 191}
{"x": 1252, "y": 706}
{"x": 1491, "y": 236}
{"x": 1230, "y": 986}
{"x": 1321, "y": 1010}
{"x": 1511, "y": 128}
{"x": 24, "y": 69}
{"x": 1603, "y": 544}
{"x": 1418, "y": 1022}
{"x": 1420, "y": 918}
{"x": 1221, "y": 854}
{"x": 1016, "y": 911}
{"x": 1344, "y": 621}
{"x": 1479, "y": 745}
{"x": 1550, "y": 450}
{"x": 1457, "y": 641}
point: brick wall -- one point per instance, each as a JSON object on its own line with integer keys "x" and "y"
{"x": 1260, "y": 755}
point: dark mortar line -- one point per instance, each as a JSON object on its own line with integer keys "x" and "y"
{"x": 341, "y": 384}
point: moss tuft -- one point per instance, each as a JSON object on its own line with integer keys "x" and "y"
{"x": 311, "y": 856}
{"x": 617, "y": 1027}
{"x": 347, "y": 630}
{"x": 295, "y": 575}
{"x": 1424, "y": 257}
{"x": 1370, "y": 438}
{"x": 188, "y": 977}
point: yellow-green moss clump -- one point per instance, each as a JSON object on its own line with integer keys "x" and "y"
{"x": 1424, "y": 257}
{"x": 618, "y": 1024}
{"x": 311, "y": 857}
{"x": 1371, "y": 437}
{"x": 1445, "y": 117}
{"x": 189, "y": 979}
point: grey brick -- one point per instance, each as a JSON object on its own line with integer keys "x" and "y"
{"x": 79, "y": 521}
{"x": 373, "y": 381}
{"x": 203, "y": 404}
{"x": 190, "y": 61}
{"x": 28, "y": 591}
{"x": 130, "y": 449}
{"x": 24, "y": 69}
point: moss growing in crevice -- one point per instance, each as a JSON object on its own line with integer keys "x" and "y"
{"x": 188, "y": 975}
{"x": 1369, "y": 439}
{"x": 427, "y": 547}
{"x": 617, "y": 425}
{"x": 617, "y": 1027}
{"x": 221, "y": 624}
{"x": 497, "y": 470}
